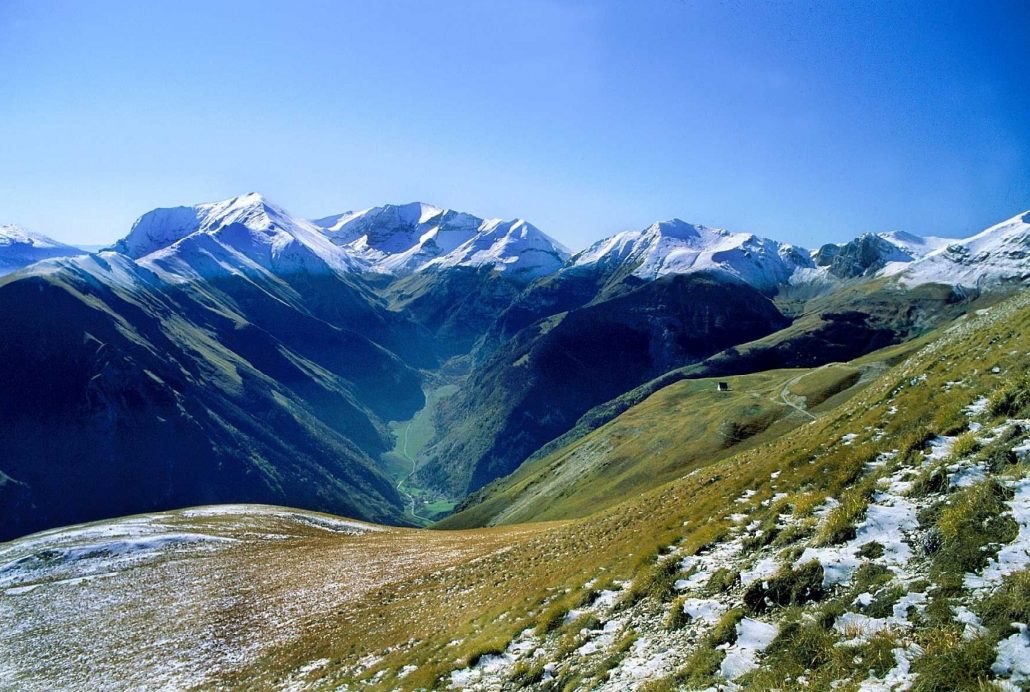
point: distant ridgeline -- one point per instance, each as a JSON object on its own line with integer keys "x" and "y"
{"x": 231, "y": 352}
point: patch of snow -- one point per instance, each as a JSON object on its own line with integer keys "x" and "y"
{"x": 963, "y": 475}
{"x": 886, "y": 520}
{"x": 978, "y": 406}
{"x": 1013, "y": 661}
{"x": 1015, "y": 556}
{"x": 863, "y": 600}
{"x": 968, "y": 618}
{"x": 704, "y": 609}
{"x": 763, "y": 569}
{"x": 641, "y": 662}
{"x": 746, "y": 495}
{"x": 860, "y": 627}
{"x": 753, "y": 637}
{"x": 898, "y": 678}
{"x": 722, "y": 555}
{"x": 883, "y": 458}
{"x": 940, "y": 447}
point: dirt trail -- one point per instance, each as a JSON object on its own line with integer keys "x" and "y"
{"x": 783, "y": 395}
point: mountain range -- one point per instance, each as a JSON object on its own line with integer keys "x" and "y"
{"x": 683, "y": 458}
{"x": 232, "y": 352}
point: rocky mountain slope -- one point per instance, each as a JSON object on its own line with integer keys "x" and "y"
{"x": 996, "y": 256}
{"x": 882, "y": 546}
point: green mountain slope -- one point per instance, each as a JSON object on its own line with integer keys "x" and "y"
{"x": 882, "y": 544}
{"x": 676, "y": 430}
{"x": 130, "y": 394}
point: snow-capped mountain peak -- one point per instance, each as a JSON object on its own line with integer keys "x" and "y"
{"x": 997, "y": 255}
{"x": 242, "y": 233}
{"x": 20, "y": 247}
{"x": 516, "y": 248}
{"x": 679, "y": 247}
{"x": 11, "y": 234}
{"x": 405, "y": 238}
{"x": 915, "y": 245}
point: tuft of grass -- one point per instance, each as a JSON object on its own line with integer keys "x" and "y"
{"x": 841, "y": 521}
{"x": 975, "y": 519}
{"x": 965, "y": 446}
{"x": 933, "y": 480}
{"x": 657, "y": 582}
{"x": 1012, "y": 401}
{"x": 552, "y": 618}
{"x": 527, "y": 672}
{"x": 871, "y": 550}
{"x": 676, "y": 618}
{"x": 788, "y": 587}
{"x": 1009, "y": 603}
{"x": 699, "y": 670}
{"x": 725, "y": 631}
{"x": 721, "y": 581}
{"x": 953, "y": 663}
{"x": 883, "y": 602}
{"x": 494, "y": 646}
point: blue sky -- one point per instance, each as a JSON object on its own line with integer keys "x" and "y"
{"x": 805, "y": 121}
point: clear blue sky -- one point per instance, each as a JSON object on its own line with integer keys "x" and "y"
{"x": 806, "y": 121}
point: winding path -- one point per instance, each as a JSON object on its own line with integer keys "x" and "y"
{"x": 786, "y": 388}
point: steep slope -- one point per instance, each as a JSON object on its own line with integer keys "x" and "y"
{"x": 127, "y": 393}
{"x": 882, "y": 546}
{"x": 20, "y": 248}
{"x": 457, "y": 305}
{"x": 541, "y": 381}
{"x": 870, "y": 253}
{"x": 676, "y": 430}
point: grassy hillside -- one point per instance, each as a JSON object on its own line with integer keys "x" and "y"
{"x": 881, "y": 542}
{"x": 676, "y": 430}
